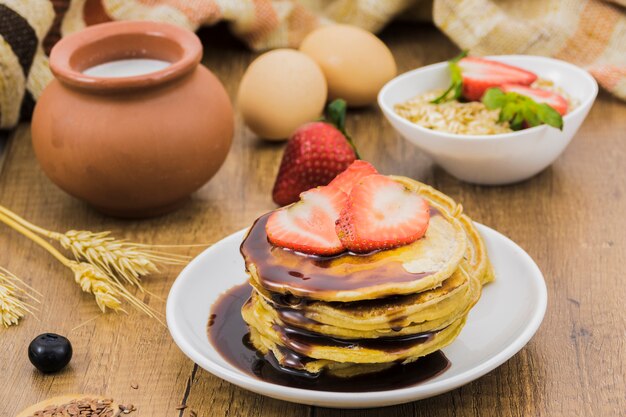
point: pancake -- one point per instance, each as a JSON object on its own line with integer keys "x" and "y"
{"x": 346, "y": 363}
{"x": 352, "y": 314}
{"x": 436, "y": 316}
{"x": 392, "y": 315}
{"x": 421, "y": 265}
{"x": 434, "y": 197}
{"x": 322, "y": 350}
{"x": 476, "y": 253}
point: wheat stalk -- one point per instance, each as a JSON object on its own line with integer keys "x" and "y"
{"x": 93, "y": 281}
{"x": 117, "y": 258}
{"x": 12, "y": 305}
{"x": 108, "y": 292}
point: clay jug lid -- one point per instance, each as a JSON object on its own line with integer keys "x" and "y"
{"x": 125, "y": 40}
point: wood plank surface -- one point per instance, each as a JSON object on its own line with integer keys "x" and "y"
{"x": 570, "y": 218}
{"x": 4, "y": 137}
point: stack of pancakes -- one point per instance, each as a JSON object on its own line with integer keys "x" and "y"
{"x": 351, "y": 314}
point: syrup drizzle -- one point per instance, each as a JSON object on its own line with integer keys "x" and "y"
{"x": 283, "y": 270}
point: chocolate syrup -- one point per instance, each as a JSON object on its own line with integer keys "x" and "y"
{"x": 294, "y": 335}
{"x": 229, "y": 335}
{"x": 303, "y": 341}
{"x": 283, "y": 270}
{"x": 291, "y": 301}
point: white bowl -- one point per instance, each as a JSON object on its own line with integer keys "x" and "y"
{"x": 492, "y": 159}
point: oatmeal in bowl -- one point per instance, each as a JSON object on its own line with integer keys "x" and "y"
{"x": 492, "y": 120}
{"x": 480, "y": 93}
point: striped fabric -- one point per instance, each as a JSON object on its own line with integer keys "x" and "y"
{"x": 23, "y": 68}
{"x": 589, "y": 33}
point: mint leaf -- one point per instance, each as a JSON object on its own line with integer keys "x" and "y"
{"x": 549, "y": 116}
{"x": 459, "y": 57}
{"x": 494, "y": 98}
{"x": 531, "y": 117}
{"x": 521, "y": 111}
{"x": 456, "y": 81}
{"x": 444, "y": 95}
{"x": 518, "y": 121}
{"x": 507, "y": 112}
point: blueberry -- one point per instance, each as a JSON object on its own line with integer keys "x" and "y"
{"x": 50, "y": 352}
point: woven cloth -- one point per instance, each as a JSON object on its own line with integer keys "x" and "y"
{"x": 589, "y": 33}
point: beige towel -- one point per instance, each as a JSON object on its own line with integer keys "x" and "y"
{"x": 589, "y": 33}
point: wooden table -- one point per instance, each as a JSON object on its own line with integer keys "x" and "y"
{"x": 570, "y": 219}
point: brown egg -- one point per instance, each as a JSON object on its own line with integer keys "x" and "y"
{"x": 280, "y": 91}
{"x": 356, "y": 63}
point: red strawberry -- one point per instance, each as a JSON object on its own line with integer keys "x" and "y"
{"x": 479, "y": 74}
{"x": 309, "y": 225}
{"x": 314, "y": 155}
{"x": 552, "y": 99}
{"x": 381, "y": 214}
{"x": 355, "y": 172}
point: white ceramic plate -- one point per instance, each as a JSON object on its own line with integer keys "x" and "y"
{"x": 506, "y": 317}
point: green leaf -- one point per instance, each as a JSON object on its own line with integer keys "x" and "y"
{"x": 549, "y": 116}
{"x": 456, "y": 81}
{"x": 494, "y": 98}
{"x": 336, "y": 113}
{"x": 518, "y": 121}
{"x": 507, "y": 112}
{"x": 443, "y": 95}
{"x": 517, "y": 108}
{"x": 531, "y": 117}
{"x": 459, "y": 57}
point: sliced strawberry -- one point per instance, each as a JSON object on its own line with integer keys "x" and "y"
{"x": 479, "y": 74}
{"x": 308, "y": 225}
{"x": 554, "y": 100}
{"x": 381, "y": 214}
{"x": 356, "y": 171}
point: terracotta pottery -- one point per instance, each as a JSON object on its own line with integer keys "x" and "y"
{"x": 132, "y": 146}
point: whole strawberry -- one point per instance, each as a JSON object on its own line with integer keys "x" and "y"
{"x": 315, "y": 154}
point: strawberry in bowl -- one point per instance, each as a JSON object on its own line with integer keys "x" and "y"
{"x": 479, "y": 74}
{"x": 487, "y": 97}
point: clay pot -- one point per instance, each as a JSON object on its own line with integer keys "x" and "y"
{"x": 132, "y": 146}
